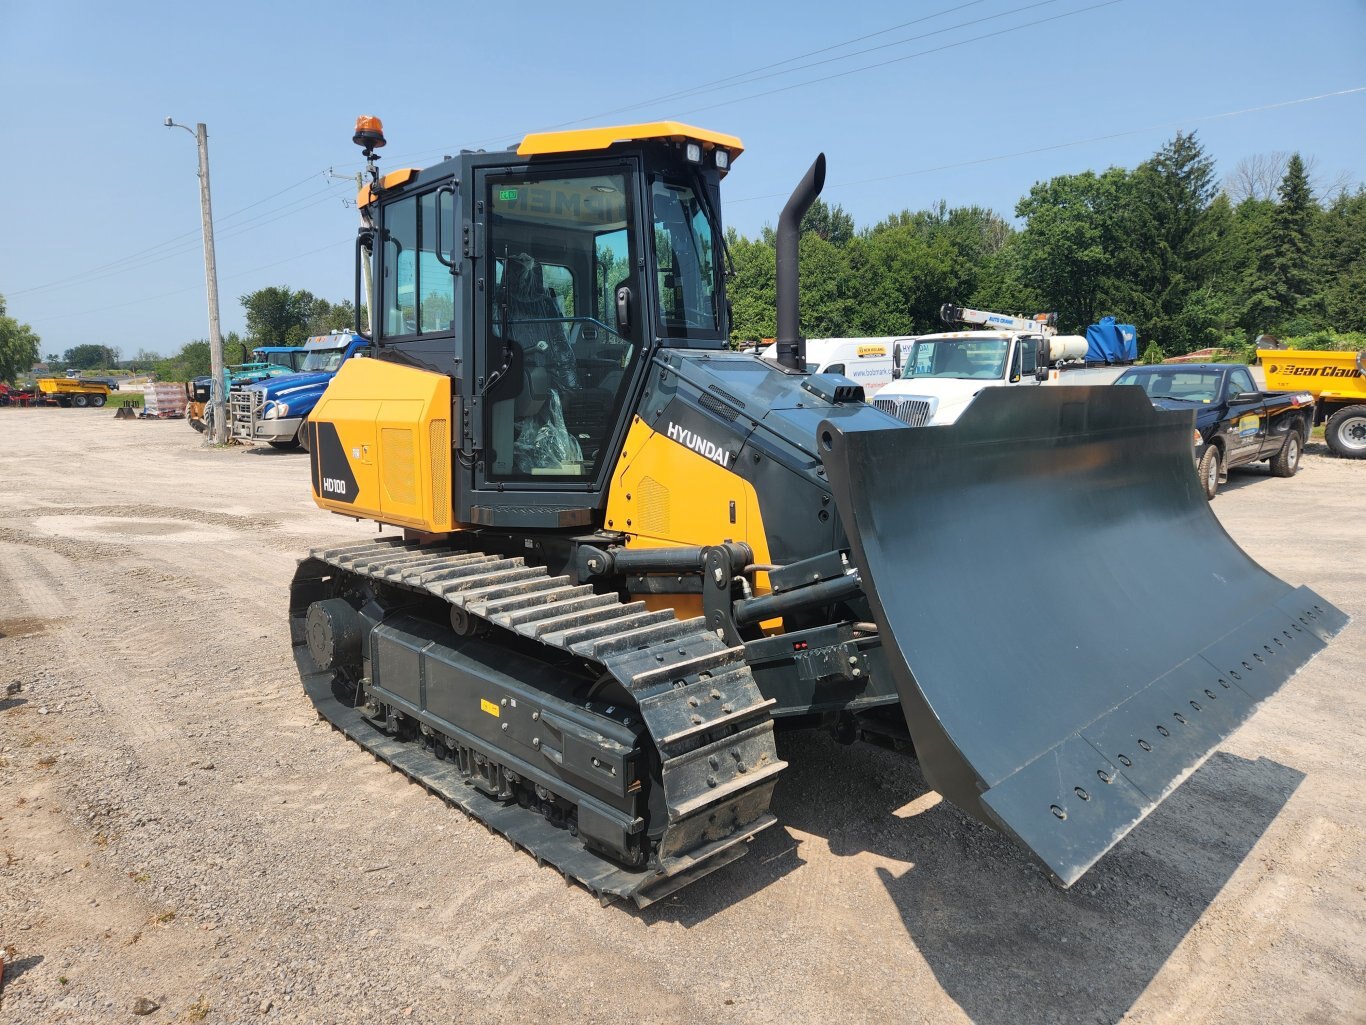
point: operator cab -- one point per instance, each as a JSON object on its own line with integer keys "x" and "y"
{"x": 566, "y": 262}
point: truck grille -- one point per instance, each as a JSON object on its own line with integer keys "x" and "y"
{"x": 912, "y": 412}
{"x": 244, "y": 406}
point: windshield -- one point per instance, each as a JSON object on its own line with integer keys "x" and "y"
{"x": 685, "y": 263}
{"x": 981, "y": 359}
{"x": 1176, "y": 383}
{"x": 324, "y": 359}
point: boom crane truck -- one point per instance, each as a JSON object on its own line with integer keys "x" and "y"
{"x": 625, "y": 556}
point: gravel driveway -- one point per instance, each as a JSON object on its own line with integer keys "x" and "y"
{"x": 176, "y": 826}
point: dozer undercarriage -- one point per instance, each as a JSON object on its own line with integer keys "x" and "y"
{"x": 627, "y": 555}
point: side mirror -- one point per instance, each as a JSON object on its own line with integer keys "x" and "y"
{"x": 1246, "y": 396}
{"x": 624, "y": 308}
{"x": 1041, "y": 373}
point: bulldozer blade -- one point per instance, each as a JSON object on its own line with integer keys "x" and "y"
{"x": 1069, "y": 628}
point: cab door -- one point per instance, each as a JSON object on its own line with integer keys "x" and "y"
{"x": 559, "y": 329}
{"x": 1247, "y": 419}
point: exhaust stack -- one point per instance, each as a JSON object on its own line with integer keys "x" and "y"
{"x": 791, "y": 346}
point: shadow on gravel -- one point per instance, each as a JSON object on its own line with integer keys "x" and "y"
{"x": 270, "y": 452}
{"x": 17, "y": 967}
{"x": 1005, "y": 943}
{"x": 1008, "y": 946}
{"x": 7, "y": 703}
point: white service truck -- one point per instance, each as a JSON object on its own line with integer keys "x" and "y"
{"x": 939, "y": 374}
{"x": 866, "y": 361}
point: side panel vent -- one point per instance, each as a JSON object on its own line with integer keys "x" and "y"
{"x": 396, "y": 465}
{"x": 439, "y": 445}
{"x": 654, "y": 508}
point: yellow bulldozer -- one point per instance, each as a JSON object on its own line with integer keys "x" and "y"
{"x": 623, "y": 556}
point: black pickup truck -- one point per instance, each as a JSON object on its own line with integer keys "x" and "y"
{"x": 1236, "y": 423}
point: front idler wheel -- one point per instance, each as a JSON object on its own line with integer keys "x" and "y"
{"x": 334, "y": 631}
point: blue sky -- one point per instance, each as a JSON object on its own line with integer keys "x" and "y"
{"x": 101, "y": 209}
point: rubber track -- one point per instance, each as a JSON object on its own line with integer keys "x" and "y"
{"x": 696, "y": 696}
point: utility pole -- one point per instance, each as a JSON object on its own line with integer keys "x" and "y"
{"x": 218, "y": 398}
{"x": 365, "y": 263}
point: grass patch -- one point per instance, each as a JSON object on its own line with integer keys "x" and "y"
{"x": 198, "y": 1011}
{"x": 164, "y": 918}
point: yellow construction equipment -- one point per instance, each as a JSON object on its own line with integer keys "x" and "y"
{"x": 623, "y": 554}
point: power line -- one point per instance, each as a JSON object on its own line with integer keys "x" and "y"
{"x": 1065, "y": 145}
{"x": 178, "y": 242}
{"x": 910, "y": 56}
{"x": 192, "y": 288}
{"x": 189, "y": 242}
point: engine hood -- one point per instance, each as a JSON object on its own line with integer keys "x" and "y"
{"x": 283, "y": 388}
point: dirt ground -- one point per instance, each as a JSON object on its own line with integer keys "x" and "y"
{"x": 177, "y": 825}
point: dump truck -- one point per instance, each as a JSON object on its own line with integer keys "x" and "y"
{"x": 69, "y": 391}
{"x": 1337, "y": 380}
{"x": 623, "y": 556}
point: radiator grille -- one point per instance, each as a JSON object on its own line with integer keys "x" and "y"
{"x": 912, "y": 412}
{"x": 439, "y": 439}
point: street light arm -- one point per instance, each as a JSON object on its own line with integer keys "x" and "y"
{"x": 172, "y": 124}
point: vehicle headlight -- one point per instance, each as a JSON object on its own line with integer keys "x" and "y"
{"x": 1196, "y": 440}
{"x": 275, "y": 410}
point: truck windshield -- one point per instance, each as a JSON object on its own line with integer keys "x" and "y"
{"x": 971, "y": 358}
{"x": 326, "y": 360}
{"x": 686, "y": 263}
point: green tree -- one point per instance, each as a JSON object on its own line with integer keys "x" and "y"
{"x": 831, "y": 223}
{"x": 277, "y": 315}
{"x": 18, "y": 346}
{"x": 90, "y": 357}
{"x": 1343, "y": 245}
{"x": 1284, "y": 276}
{"x": 1074, "y": 229}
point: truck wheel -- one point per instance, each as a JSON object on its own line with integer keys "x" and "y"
{"x": 79, "y": 401}
{"x": 97, "y": 401}
{"x": 1210, "y": 464}
{"x": 1285, "y": 462}
{"x": 1346, "y": 432}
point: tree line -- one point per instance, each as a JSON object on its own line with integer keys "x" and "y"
{"x": 1161, "y": 246}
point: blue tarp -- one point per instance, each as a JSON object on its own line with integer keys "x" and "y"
{"x": 1108, "y": 342}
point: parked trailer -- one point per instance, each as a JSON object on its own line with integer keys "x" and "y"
{"x": 1337, "y": 380}
{"x": 66, "y": 391}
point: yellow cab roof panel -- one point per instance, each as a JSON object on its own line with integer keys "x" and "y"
{"x": 581, "y": 139}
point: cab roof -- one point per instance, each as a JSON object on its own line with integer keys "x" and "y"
{"x": 582, "y": 139}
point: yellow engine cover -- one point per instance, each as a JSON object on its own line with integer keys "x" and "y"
{"x": 380, "y": 445}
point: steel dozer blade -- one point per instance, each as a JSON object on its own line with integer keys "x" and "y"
{"x": 1070, "y": 629}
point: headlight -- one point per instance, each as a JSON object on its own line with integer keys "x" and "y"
{"x": 275, "y": 410}
{"x": 1196, "y": 440}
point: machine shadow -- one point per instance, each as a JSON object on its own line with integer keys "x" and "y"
{"x": 1005, "y": 943}
{"x": 1009, "y": 946}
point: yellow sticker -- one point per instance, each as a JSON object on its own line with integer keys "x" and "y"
{"x": 489, "y": 707}
{"x": 872, "y": 350}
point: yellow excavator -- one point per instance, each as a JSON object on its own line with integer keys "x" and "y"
{"x": 623, "y": 555}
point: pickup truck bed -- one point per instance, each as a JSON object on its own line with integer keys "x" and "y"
{"x": 1237, "y": 423}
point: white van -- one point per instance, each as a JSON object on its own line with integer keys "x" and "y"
{"x": 867, "y": 361}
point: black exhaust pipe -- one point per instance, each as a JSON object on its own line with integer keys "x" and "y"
{"x": 791, "y": 345}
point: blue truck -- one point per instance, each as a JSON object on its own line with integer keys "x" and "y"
{"x": 274, "y": 410}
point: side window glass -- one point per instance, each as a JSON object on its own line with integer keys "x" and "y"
{"x": 436, "y": 285}
{"x": 834, "y": 368}
{"x": 1029, "y": 353}
{"x": 1240, "y": 381}
{"x": 400, "y": 267}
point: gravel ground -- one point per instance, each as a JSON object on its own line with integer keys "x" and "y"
{"x": 176, "y": 826}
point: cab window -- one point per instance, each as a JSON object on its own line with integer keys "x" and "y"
{"x": 559, "y": 366}
{"x": 418, "y": 290}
